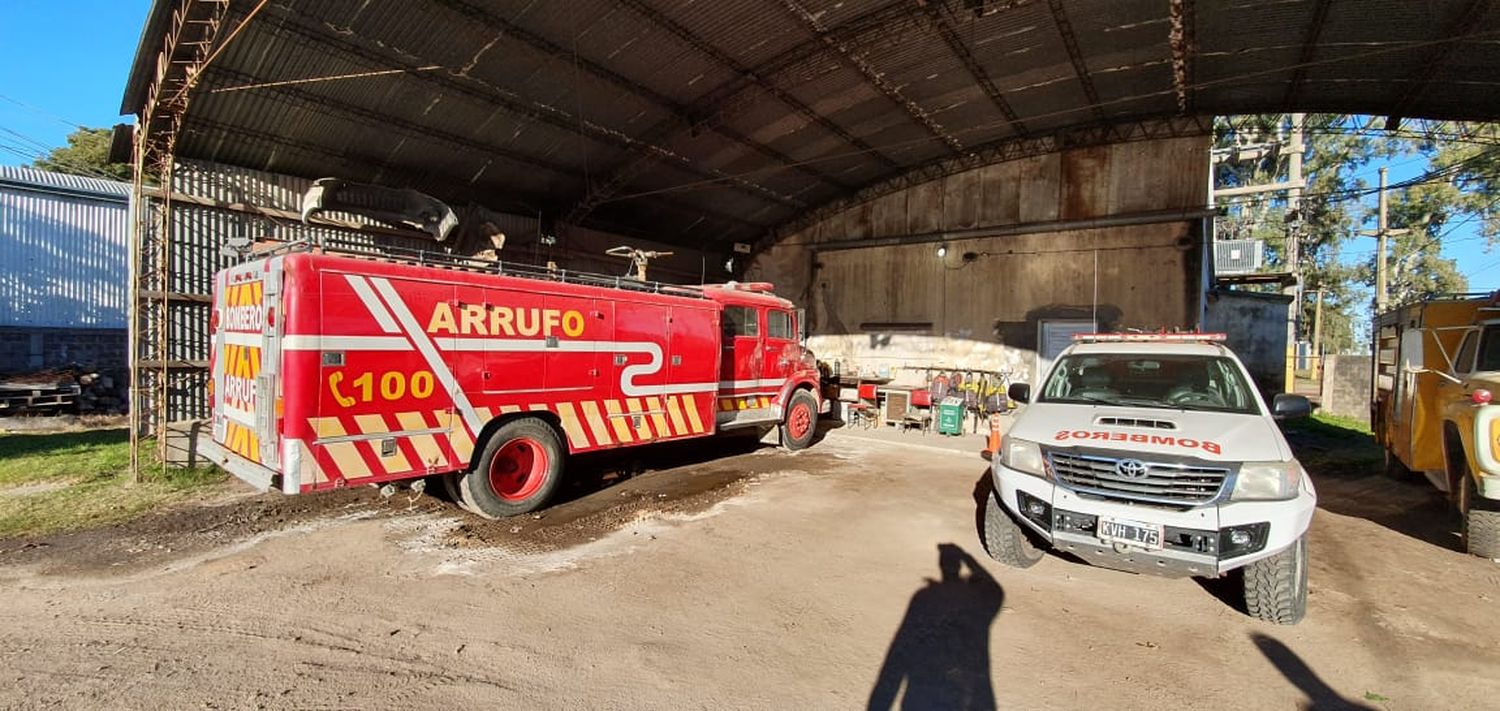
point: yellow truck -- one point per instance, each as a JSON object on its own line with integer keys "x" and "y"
{"x": 1436, "y": 370}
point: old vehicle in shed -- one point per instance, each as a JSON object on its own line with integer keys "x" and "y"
{"x": 1154, "y": 454}
{"x": 1436, "y": 369}
{"x": 337, "y": 370}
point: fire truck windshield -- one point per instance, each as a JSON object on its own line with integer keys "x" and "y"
{"x": 1178, "y": 382}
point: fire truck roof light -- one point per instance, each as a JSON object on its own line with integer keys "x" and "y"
{"x": 1151, "y": 337}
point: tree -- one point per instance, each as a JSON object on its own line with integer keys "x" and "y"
{"x": 87, "y": 154}
{"x": 1462, "y": 184}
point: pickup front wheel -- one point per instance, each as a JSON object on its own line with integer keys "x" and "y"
{"x": 1004, "y": 538}
{"x": 1276, "y": 587}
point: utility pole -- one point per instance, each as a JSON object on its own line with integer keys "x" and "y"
{"x": 1293, "y": 244}
{"x": 1382, "y": 234}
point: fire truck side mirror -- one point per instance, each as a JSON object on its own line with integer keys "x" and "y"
{"x": 1019, "y": 392}
{"x": 802, "y": 326}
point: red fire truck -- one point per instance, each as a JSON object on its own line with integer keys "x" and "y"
{"x": 337, "y": 370}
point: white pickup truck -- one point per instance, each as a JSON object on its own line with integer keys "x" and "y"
{"x": 1153, "y": 454}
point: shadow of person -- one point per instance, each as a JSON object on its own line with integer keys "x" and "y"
{"x": 1320, "y": 696}
{"x": 941, "y": 652}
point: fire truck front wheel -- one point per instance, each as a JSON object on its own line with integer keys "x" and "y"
{"x": 517, "y": 472}
{"x": 801, "y": 421}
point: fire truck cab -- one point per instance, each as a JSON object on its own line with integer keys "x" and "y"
{"x": 336, "y": 370}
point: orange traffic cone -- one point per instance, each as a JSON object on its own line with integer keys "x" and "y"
{"x": 994, "y": 444}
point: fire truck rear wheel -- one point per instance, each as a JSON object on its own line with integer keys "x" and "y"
{"x": 517, "y": 472}
{"x": 801, "y": 421}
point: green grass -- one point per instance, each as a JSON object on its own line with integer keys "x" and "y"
{"x": 1330, "y": 444}
{"x": 69, "y": 480}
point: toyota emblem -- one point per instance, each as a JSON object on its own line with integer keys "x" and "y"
{"x": 1131, "y": 468}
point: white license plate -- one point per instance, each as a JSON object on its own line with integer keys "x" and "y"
{"x": 1135, "y": 533}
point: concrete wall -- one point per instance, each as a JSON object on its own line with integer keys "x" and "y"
{"x": 1022, "y": 246}
{"x": 28, "y": 349}
{"x": 1346, "y": 386}
{"x": 1256, "y": 326}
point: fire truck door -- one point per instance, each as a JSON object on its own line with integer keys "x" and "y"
{"x": 781, "y": 350}
{"x": 512, "y": 323}
{"x": 638, "y": 361}
{"x": 247, "y": 360}
{"x": 694, "y": 361}
{"x": 743, "y": 399}
{"x": 383, "y": 405}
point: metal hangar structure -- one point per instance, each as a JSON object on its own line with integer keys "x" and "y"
{"x": 830, "y": 135}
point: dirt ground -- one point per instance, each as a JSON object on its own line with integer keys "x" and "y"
{"x": 726, "y": 576}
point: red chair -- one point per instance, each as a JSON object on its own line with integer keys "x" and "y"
{"x": 865, "y": 411}
{"x": 919, "y": 414}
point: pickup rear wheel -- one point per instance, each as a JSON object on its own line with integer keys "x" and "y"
{"x": 1481, "y": 527}
{"x": 517, "y": 472}
{"x": 1276, "y": 587}
{"x": 1005, "y": 539}
{"x": 801, "y": 421}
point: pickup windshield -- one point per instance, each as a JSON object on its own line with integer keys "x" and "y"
{"x": 1173, "y": 382}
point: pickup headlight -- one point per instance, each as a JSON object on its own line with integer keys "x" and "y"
{"x": 1267, "y": 481}
{"x": 1023, "y": 456}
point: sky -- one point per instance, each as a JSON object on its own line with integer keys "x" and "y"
{"x": 62, "y": 63}
{"x": 55, "y": 79}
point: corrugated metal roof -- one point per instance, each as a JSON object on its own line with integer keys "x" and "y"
{"x": 48, "y": 181}
{"x": 720, "y": 120}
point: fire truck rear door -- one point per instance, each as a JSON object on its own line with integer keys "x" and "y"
{"x": 247, "y": 360}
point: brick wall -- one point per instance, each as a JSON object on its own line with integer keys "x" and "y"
{"x": 24, "y": 349}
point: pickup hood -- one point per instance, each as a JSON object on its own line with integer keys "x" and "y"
{"x": 1214, "y": 436}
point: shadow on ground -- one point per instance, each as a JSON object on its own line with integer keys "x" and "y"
{"x": 939, "y": 657}
{"x": 1348, "y": 468}
{"x": 1320, "y": 696}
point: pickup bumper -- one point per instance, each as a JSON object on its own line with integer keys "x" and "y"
{"x": 1197, "y": 542}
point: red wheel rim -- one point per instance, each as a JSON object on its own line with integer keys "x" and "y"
{"x": 519, "y": 469}
{"x": 800, "y": 421}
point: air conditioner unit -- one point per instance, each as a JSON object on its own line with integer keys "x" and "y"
{"x": 1238, "y": 256}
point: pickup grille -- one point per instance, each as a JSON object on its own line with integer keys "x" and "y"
{"x": 1179, "y": 485}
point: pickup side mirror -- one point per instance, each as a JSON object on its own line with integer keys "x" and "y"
{"x": 1287, "y": 406}
{"x": 1019, "y": 392}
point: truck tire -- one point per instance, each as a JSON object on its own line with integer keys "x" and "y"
{"x": 801, "y": 421}
{"x": 1005, "y": 540}
{"x": 450, "y": 486}
{"x": 1276, "y": 587}
{"x": 1481, "y": 527}
{"x": 517, "y": 472}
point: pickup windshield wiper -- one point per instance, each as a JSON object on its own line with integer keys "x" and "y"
{"x": 1099, "y": 400}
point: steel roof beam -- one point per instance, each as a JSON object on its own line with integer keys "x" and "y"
{"x": 708, "y": 118}
{"x": 1184, "y": 42}
{"x": 1309, "y": 49}
{"x": 487, "y": 94}
{"x": 843, "y": 50}
{"x": 679, "y": 111}
{"x": 1437, "y": 57}
{"x": 710, "y": 115}
{"x": 961, "y": 51}
{"x": 1070, "y": 41}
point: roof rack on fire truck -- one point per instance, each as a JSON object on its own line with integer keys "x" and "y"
{"x": 1141, "y": 337}
{"x": 442, "y": 260}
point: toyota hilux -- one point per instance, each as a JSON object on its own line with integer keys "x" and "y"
{"x": 1152, "y": 453}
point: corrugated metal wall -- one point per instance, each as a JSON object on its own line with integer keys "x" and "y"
{"x": 63, "y": 250}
